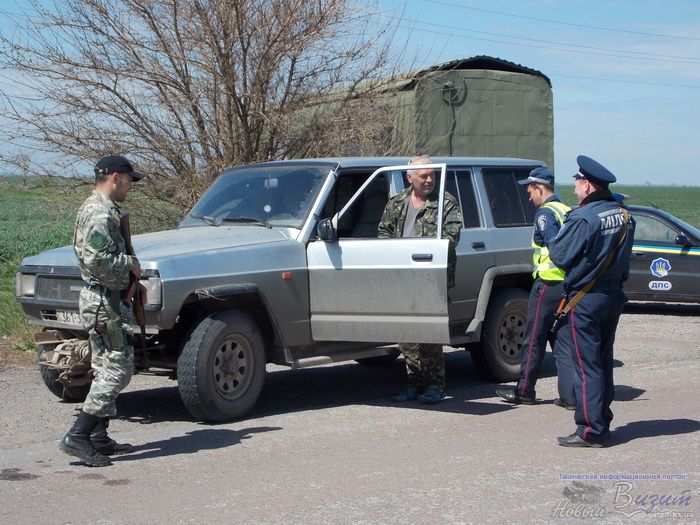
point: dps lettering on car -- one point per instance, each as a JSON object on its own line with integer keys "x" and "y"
{"x": 660, "y": 286}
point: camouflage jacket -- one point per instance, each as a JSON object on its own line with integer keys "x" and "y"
{"x": 99, "y": 244}
{"x": 391, "y": 224}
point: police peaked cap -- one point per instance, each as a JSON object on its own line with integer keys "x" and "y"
{"x": 593, "y": 171}
{"x": 540, "y": 176}
{"x": 118, "y": 164}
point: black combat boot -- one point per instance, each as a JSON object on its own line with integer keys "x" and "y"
{"x": 77, "y": 442}
{"x": 102, "y": 442}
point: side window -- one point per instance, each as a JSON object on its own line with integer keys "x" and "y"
{"x": 508, "y": 200}
{"x": 459, "y": 184}
{"x": 467, "y": 199}
{"x": 368, "y": 209}
{"x": 650, "y": 229}
{"x": 362, "y": 219}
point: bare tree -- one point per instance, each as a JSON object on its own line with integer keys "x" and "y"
{"x": 188, "y": 87}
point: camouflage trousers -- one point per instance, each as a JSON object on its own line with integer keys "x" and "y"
{"x": 425, "y": 365}
{"x": 107, "y": 318}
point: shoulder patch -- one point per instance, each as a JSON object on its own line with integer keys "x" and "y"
{"x": 542, "y": 222}
{"x": 98, "y": 240}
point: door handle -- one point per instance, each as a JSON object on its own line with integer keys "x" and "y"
{"x": 639, "y": 254}
{"x": 478, "y": 245}
{"x": 422, "y": 257}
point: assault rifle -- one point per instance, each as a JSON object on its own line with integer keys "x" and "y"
{"x": 133, "y": 295}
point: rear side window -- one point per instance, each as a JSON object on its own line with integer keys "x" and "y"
{"x": 467, "y": 199}
{"x": 508, "y": 200}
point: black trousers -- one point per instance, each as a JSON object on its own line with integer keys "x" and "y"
{"x": 590, "y": 330}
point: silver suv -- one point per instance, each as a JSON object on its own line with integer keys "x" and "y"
{"x": 279, "y": 262}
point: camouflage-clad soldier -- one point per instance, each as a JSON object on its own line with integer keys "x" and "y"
{"x": 105, "y": 267}
{"x": 414, "y": 213}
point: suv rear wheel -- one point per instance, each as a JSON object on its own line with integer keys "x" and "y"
{"x": 221, "y": 369}
{"x": 498, "y": 356}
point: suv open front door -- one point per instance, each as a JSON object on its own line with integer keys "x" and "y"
{"x": 380, "y": 290}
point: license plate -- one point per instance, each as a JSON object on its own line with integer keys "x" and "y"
{"x": 68, "y": 317}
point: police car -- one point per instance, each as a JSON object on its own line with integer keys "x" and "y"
{"x": 665, "y": 262}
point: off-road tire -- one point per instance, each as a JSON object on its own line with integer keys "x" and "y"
{"x": 221, "y": 369}
{"x": 498, "y": 355}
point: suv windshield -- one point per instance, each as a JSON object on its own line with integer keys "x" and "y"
{"x": 262, "y": 195}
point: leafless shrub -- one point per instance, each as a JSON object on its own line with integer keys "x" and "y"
{"x": 188, "y": 87}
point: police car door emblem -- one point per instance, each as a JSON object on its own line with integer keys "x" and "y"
{"x": 660, "y": 267}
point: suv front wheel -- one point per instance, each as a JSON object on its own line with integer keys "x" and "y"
{"x": 498, "y": 355}
{"x": 221, "y": 369}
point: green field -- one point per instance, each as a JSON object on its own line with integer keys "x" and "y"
{"x": 683, "y": 202}
{"x": 38, "y": 214}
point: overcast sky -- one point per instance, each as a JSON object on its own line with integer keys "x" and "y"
{"x": 625, "y": 74}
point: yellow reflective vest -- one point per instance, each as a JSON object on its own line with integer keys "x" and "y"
{"x": 544, "y": 267}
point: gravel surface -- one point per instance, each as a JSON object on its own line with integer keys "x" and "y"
{"x": 324, "y": 445}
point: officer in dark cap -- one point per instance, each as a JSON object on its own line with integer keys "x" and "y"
{"x": 545, "y": 296}
{"x": 593, "y": 247}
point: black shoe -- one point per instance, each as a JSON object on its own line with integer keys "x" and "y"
{"x": 574, "y": 440}
{"x": 511, "y": 396}
{"x": 561, "y": 403}
{"x": 77, "y": 442}
{"x": 102, "y": 443}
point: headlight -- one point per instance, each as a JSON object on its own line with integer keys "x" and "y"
{"x": 153, "y": 290}
{"x": 24, "y": 285}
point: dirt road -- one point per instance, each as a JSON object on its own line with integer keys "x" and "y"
{"x": 326, "y": 445}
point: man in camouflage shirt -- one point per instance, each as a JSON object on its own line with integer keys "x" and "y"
{"x": 414, "y": 213}
{"x": 105, "y": 267}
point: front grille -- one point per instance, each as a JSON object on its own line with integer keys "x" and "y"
{"x": 59, "y": 288}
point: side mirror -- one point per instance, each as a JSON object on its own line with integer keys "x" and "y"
{"x": 326, "y": 231}
{"x": 683, "y": 240}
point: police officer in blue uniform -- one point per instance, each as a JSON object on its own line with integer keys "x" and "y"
{"x": 545, "y": 296}
{"x": 593, "y": 247}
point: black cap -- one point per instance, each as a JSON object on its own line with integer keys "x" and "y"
{"x": 118, "y": 164}
{"x": 593, "y": 171}
{"x": 539, "y": 176}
